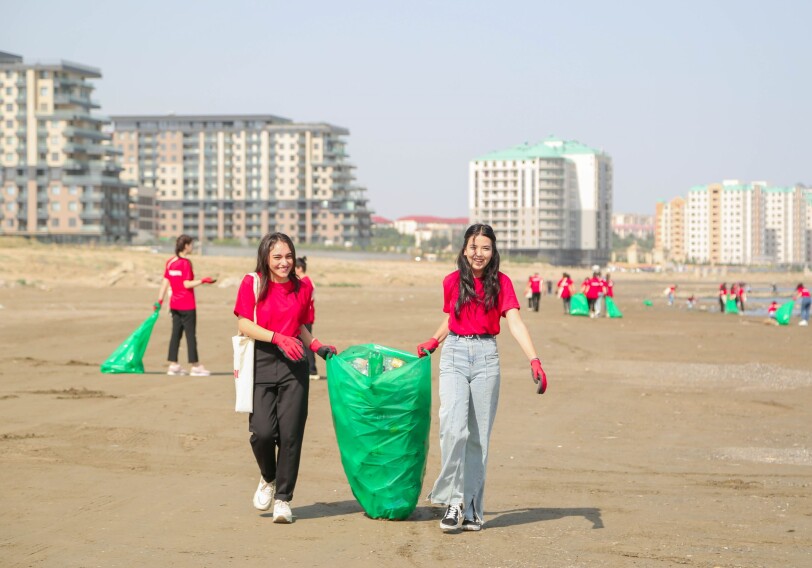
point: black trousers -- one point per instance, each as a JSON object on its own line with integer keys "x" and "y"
{"x": 721, "y": 304}
{"x": 566, "y": 302}
{"x": 536, "y": 298}
{"x": 183, "y": 321}
{"x": 278, "y": 422}
{"x": 311, "y": 357}
{"x": 590, "y": 302}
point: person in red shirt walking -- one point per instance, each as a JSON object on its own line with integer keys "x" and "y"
{"x": 301, "y": 273}
{"x": 608, "y": 289}
{"x": 722, "y": 297}
{"x": 475, "y": 297}
{"x": 281, "y": 383}
{"x": 802, "y": 292}
{"x": 535, "y": 290}
{"x": 741, "y": 296}
{"x": 179, "y": 276}
{"x": 565, "y": 291}
{"x": 592, "y": 289}
{"x": 771, "y": 309}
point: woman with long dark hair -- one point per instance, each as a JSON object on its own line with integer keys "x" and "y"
{"x": 281, "y": 382}
{"x": 475, "y": 297}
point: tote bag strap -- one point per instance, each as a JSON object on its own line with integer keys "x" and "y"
{"x": 256, "y": 293}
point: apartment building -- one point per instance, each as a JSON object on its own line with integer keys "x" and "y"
{"x": 58, "y": 175}
{"x": 744, "y": 223}
{"x": 669, "y": 229}
{"x": 552, "y": 200}
{"x": 236, "y": 177}
{"x": 632, "y": 224}
{"x": 427, "y": 227}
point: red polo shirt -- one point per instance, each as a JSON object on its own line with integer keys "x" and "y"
{"x": 179, "y": 270}
{"x": 474, "y": 318}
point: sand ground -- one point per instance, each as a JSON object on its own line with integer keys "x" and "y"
{"x": 666, "y": 438}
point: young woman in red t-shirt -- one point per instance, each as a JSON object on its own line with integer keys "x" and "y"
{"x": 565, "y": 291}
{"x": 281, "y": 382}
{"x": 180, "y": 278}
{"x": 474, "y": 297}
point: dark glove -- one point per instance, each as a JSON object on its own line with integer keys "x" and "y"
{"x": 539, "y": 376}
{"x": 157, "y": 305}
{"x": 208, "y": 280}
{"x": 427, "y": 347}
{"x": 291, "y": 347}
{"x": 324, "y": 351}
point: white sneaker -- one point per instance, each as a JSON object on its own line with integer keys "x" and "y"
{"x": 200, "y": 371}
{"x": 282, "y": 513}
{"x": 315, "y": 377}
{"x": 264, "y": 495}
{"x": 803, "y": 322}
{"x": 176, "y": 369}
{"x": 452, "y": 520}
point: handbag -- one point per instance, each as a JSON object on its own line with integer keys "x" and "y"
{"x": 244, "y": 363}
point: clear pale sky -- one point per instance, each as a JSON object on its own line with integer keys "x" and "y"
{"x": 678, "y": 93}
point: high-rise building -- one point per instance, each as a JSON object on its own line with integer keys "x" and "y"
{"x": 669, "y": 231}
{"x": 632, "y": 225}
{"x": 236, "y": 177}
{"x": 58, "y": 174}
{"x": 552, "y": 200}
{"x": 745, "y": 223}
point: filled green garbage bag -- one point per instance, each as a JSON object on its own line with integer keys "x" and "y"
{"x": 784, "y": 313}
{"x": 730, "y": 306}
{"x": 381, "y": 403}
{"x": 579, "y": 305}
{"x": 128, "y": 357}
{"x": 612, "y": 309}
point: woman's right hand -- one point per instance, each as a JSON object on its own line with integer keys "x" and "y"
{"x": 291, "y": 347}
{"x": 427, "y": 346}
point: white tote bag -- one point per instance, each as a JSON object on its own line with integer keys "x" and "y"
{"x": 244, "y": 363}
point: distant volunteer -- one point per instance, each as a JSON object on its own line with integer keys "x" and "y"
{"x": 592, "y": 289}
{"x": 722, "y": 296}
{"x": 535, "y": 290}
{"x": 802, "y": 292}
{"x": 565, "y": 291}
{"x": 281, "y": 382}
{"x": 608, "y": 289}
{"x": 475, "y": 297}
{"x": 180, "y": 277}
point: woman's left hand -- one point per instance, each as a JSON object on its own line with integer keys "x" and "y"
{"x": 539, "y": 376}
{"x": 323, "y": 351}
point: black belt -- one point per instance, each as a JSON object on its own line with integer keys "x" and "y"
{"x": 473, "y": 335}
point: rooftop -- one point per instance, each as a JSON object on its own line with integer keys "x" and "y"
{"x": 550, "y": 147}
{"x": 14, "y": 61}
{"x": 431, "y": 219}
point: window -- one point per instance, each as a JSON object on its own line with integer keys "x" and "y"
{"x": 43, "y": 91}
{"x": 55, "y": 190}
{"x": 54, "y": 156}
{"x": 72, "y": 222}
{"x": 9, "y": 206}
{"x": 73, "y": 206}
{"x": 55, "y": 206}
{"x": 10, "y": 190}
{"x": 54, "y": 222}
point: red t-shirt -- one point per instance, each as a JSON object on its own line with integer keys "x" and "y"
{"x": 564, "y": 285}
{"x": 474, "y": 319}
{"x": 282, "y": 310}
{"x": 773, "y": 308}
{"x": 723, "y": 291}
{"x": 804, "y": 292}
{"x": 535, "y": 284}
{"x": 594, "y": 286}
{"x": 610, "y": 288}
{"x": 178, "y": 270}
{"x": 311, "y": 310}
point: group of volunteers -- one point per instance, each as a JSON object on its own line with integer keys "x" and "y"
{"x": 595, "y": 288}
{"x": 737, "y": 294}
{"x": 280, "y": 317}
{"x": 801, "y": 293}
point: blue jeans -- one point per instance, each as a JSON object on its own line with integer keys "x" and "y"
{"x": 805, "y": 304}
{"x": 469, "y": 395}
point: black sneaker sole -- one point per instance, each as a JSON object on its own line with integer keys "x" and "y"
{"x": 471, "y": 527}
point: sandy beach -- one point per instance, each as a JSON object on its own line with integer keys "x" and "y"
{"x": 666, "y": 438}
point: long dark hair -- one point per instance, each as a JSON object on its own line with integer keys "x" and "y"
{"x": 264, "y": 267}
{"x": 490, "y": 274}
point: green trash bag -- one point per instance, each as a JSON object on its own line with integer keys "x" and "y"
{"x": 128, "y": 357}
{"x": 382, "y": 419}
{"x": 648, "y": 303}
{"x": 579, "y": 306}
{"x": 784, "y": 313}
{"x": 730, "y": 306}
{"x": 612, "y": 309}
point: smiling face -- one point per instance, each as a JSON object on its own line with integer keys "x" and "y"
{"x": 478, "y": 253}
{"x": 280, "y": 261}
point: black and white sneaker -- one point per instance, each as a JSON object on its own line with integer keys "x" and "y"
{"x": 452, "y": 520}
{"x": 469, "y": 525}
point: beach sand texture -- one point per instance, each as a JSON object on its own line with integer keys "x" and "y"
{"x": 666, "y": 438}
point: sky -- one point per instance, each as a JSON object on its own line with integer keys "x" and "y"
{"x": 677, "y": 93}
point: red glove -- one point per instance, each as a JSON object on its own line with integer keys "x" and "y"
{"x": 539, "y": 376}
{"x": 208, "y": 280}
{"x": 291, "y": 347}
{"x": 157, "y": 305}
{"x": 324, "y": 351}
{"x": 427, "y": 347}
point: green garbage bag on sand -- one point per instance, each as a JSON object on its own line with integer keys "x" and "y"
{"x": 128, "y": 357}
{"x": 731, "y": 307}
{"x": 579, "y": 306}
{"x": 382, "y": 419}
{"x": 612, "y": 309}
{"x": 648, "y": 303}
{"x": 784, "y": 313}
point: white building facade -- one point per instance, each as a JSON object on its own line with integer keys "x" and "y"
{"x": 552, "y": 200}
